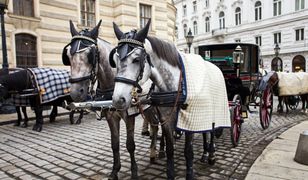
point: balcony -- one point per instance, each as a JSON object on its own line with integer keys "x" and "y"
{"x": 219, "y": 32}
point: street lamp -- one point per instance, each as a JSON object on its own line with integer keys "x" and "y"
{"x": 3, "y": 6}
{"x": 276, "y": 50}
{"x": 279, "y": 63}
{"x": 238, "y": 58}
{"x": 189, "y": 39}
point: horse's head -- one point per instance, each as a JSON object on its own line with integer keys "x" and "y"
{"x": 132, "y": 63}
{"x": 273, "y": 80}
{"x": 82, "y": 55}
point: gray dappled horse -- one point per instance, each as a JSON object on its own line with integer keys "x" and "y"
{"x": 138, "y": 58}
{"x": 88, "y": 58}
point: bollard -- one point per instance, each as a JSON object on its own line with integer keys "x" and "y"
{"x": 301, "y": 155}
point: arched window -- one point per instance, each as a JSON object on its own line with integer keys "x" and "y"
{"x": 185, "y": 29}
{"x": 258, "y": 11}
{"x": 195, "y": 28}
{"x": 26, "y": 52}
{"x": 207, "y": 24}
{"x": 276, "y": 7}
{"x": 277, "y": 64}
{"x": 238, "y": 16}
{"x": 299, "y": 64}
{"x": 23, "y": 7}
{"x": 221, "y": 20}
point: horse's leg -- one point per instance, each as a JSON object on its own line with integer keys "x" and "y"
{"x": 19, "y": 118}
{"x": 80, "y": 117}
{"x": 130, "y": 145}
{"x": 53, "y": 114}
{"x": 162, "y": 152}
{"x": 204, "y": 156}
{"x": 24, "y": 111}
{"x": 39, "y": 118}
{"x": 168, "y": 132}
{"x": 71, "y": 117}
{"x": 286, "y": 102}
{"x": 189, "y": 155}
{"x": 212, "y": 156}
{"x": 154, "y": 130}
{"x": 114, "y": 125}
{"x": 280, "y": 107}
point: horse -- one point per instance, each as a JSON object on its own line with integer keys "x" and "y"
{"x": 273, "y": 82}
{"x": 21, "y": 80}
{"x": 88, "y": 58}
{"x": 139, "y": 57}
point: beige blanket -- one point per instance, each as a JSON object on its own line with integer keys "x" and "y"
{"x": 292, "y": 83}
{"x": 206, "y": 96}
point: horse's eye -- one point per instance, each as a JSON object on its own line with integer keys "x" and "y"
{"x": 136, "y": 60}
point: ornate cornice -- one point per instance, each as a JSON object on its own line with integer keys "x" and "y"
{"x": 207, "y": 14}
{"x": 221, "y": 7}
{"x": 237, "y": 3}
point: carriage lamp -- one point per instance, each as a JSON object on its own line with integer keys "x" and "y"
{"x": 189, "y": 39}
{"x": 3, "y": 6}
{"x": 276, "y": 50}
{"x": 238, "y": 58}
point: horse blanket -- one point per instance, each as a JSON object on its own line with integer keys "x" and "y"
{"x": 292, "y": 83}
{"x": 206, "y": 96}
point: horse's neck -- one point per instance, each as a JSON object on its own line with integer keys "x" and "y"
{"x": 16, "y": 81}
{"x": 105, "y": 73}
{"x": 165, "y": 76}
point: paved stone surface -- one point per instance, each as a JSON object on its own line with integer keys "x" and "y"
{"x": 64, "y": 151}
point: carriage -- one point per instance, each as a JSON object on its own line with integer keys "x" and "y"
{"x": 239, "y": 63}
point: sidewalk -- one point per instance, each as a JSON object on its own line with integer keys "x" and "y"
{"x": 276, "y": 161}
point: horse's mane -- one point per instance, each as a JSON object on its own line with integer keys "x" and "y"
{"x": 165, "y": 50}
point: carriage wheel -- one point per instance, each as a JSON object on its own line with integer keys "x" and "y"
{"x": 266, "y": 108}
{"x": 236, "y": 120}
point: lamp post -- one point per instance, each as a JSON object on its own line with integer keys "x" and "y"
{"x": 277, "y": 50}
{"x": 189, "y": 39}
{"x": 3, "y": 6}
{"x": 238, "y": 58}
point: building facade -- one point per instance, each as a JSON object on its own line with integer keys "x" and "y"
{"x": 262, "y": 22}
{"x": 37, "y": 30}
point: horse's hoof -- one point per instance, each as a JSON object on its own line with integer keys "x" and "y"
{"x": 211, "y": 161}
{"x": 78, "y": 121}
{"x": 204, "y": 158}
{"x": 152, "y": 160}
{"x": 37, "y": 128}
{"x": 161, "y": 154}
{"x": 24, "y": 125}
{"x": 112, "y": 176}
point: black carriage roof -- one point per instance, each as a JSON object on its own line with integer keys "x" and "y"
{"x": 226, "y": 46}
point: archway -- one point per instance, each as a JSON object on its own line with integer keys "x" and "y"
{"x": 277, "y": 64}
{"x": 299, "y": 64}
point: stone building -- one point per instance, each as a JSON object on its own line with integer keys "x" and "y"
{"x": 262, "y": 22}
{"x": 37, "y": 30}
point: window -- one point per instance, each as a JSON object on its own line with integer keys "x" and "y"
{"x": 87, "y": 12}
{"x": 184, "y": 10}
{"x": 277, "y": 38}
{"x": 258, "y": 40}
{"x": 145, "y": 14}
{"x": 299, "y": 4}
{"x": 26, "y": 55}
{"x": 277, "y": 64}
{"x": 237, "y": 16}
{"x": 237, "y": 40}
{"x": 23, "y": 8}
{"x": 277, "y": 7}
{"x": 195, "y": 28}
{"x": 258, "y": 11}
{"x": 299, "y": 34}
{"x": 221, "y": 20}
{"x": 185, "y": 29}
{"x": 206, "y": 3}
{"x": 207, "y": 24}
{"x": 194, "y": 6}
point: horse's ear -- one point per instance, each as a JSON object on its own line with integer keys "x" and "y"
{"x": 74, "y": 32}
{"x": 117, "y": 31}
{"x": 143, "y": 33}
{"x": 94, "y": 31}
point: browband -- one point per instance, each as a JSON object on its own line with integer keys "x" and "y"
{"x": 83, "y": 37}
{"x": 131, "y": 41}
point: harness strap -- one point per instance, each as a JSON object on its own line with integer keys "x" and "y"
{"x": 128, "y": 81}
{"x": 75, "y": 80}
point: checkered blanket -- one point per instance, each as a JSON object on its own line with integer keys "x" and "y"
{"x": 51, "y": 83}
{"x": 292, "y": 83}
{"x": 206, "y": 96}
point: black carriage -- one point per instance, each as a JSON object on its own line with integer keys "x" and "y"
{"x": 239, "y": 63}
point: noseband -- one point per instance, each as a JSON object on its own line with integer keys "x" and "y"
{"x": 93, "y": 60}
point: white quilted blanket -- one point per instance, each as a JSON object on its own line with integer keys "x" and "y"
{"x": 292, "y": 83}
{"x": 206, "y": 96}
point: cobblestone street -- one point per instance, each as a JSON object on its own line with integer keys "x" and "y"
{"x": 64, "y": 151}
